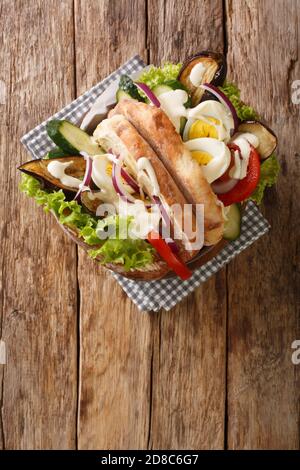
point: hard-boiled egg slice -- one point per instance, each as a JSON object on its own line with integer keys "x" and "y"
{"x": 204, "y": 127}
{"x": 203, "y": 158}
{"x": 213, "y": 156}
{"x": 108, "y": 169}
{"x": 214, "y": 109}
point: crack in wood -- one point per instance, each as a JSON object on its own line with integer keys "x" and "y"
{"x": 225, "y": 49}
{"x": 149, "y": 444}
{"x": 2, "y": 434}
{"x": 78, "y": 299}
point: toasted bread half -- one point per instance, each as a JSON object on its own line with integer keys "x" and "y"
{"x": 118, "y": 135}
{"x": 157, "y": 129}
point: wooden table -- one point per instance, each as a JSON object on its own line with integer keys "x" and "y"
{"x": 84, "y": 367}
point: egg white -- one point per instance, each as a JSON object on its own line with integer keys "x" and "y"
{"x": 219, "y": 152}
{"x": 217, "y": 110}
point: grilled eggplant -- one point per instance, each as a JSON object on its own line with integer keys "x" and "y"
{"x": 266, "y": 137}
{"x": 91, "y": 201}
{"x": 38, "y": 169}
{"x": 212, "y": 68}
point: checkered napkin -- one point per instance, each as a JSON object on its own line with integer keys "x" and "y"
{"x": 166, "y": 293}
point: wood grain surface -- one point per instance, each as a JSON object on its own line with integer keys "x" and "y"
{"x": 190, "y": 340}
{"x": 85, "y": 369}
{"x": 38, "y": 288}
{"x": 263, "y": 283}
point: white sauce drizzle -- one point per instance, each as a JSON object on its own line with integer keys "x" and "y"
{"x": 243, "y": 141}
{"x": 172, "y": 103}
{"x": 57, "y": 170}
{"x": 146, "y": 175}
{"x": 197, "y": 73}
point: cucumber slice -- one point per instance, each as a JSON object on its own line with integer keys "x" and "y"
{"x": 232, "y": 228}
{"x": 182, "y": 124}
{"x": 71, "y": 139}
{"x": 160, "y": 89}
{"x": 123, "y": 95}
{"x": 127, "y": 85}
{"x": 56, "y": 153}
{"x": 171, "y": 85}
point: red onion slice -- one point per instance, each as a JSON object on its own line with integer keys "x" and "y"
{"x": 222, "y": 187}
{"x": 126, "y": 176}
{"x": 165, "y": 216}
{"x": 129, "y": 180}
{"x": 118, "y": 184}
{"x": 172, "y": 245}
{"x": 225, "y": 101}
{"x": 162, "y": 209}
{"x": 87, "y": 177}
{"x": 148, "y": 93}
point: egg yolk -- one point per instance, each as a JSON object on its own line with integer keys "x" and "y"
{"x": 203, "y": 158}
{"x": 203, "y": 129}
{"x": 109, "y": 169}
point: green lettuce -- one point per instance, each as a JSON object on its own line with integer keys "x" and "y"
{"x": 114, "y": 226}
{"x": 159, "y": 75}
{"x": 269, "y": 171}
{"x": 68, "y": 212}
{"x": 244, "y": 112}
{"x": 132, "y": 253}
{"x": 88, "y": 233}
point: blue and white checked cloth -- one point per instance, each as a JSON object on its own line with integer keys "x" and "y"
{"x": 166, "y": 293}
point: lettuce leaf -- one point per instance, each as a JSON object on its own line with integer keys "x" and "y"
{"x": 244, "y": 112}
{"x": 269, "y": 171}
{"x": 89, "y": 235}
{"x": 68, "y": 212}
{"x": 131, "y": 253}
{"x": 113, "y": 226}
{"x": 158, "y": 75}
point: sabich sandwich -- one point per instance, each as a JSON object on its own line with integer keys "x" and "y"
{"x": 164, "y": 174}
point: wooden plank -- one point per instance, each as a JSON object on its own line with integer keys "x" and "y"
{"x": 115, "y": 344}
{"x": 38, "y": 287}
{"x": 176, "y": 31}
{"x": 263, "y": 386}
{"x": 188, "y": 391}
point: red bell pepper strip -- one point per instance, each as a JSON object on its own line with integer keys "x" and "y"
{"x": 168, "y": 256}
{"x": 245, "y": 187}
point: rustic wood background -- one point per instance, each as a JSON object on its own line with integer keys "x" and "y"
{"x": 85, "y": 369}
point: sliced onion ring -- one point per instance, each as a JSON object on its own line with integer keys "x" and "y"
{"x": 150, "y": 95}
{"x": 129, "y": 180}
{"x": 126, "y": 176}
{"x": 222, "y": 187}
{"x": 165, "y": 216}
{"x": 118, "y": 184}
{"x": 225, "y": 101}
{"x": 172, "y": 245}
{"x": 87, "y": 177}
{"x": 162, "y": 209}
